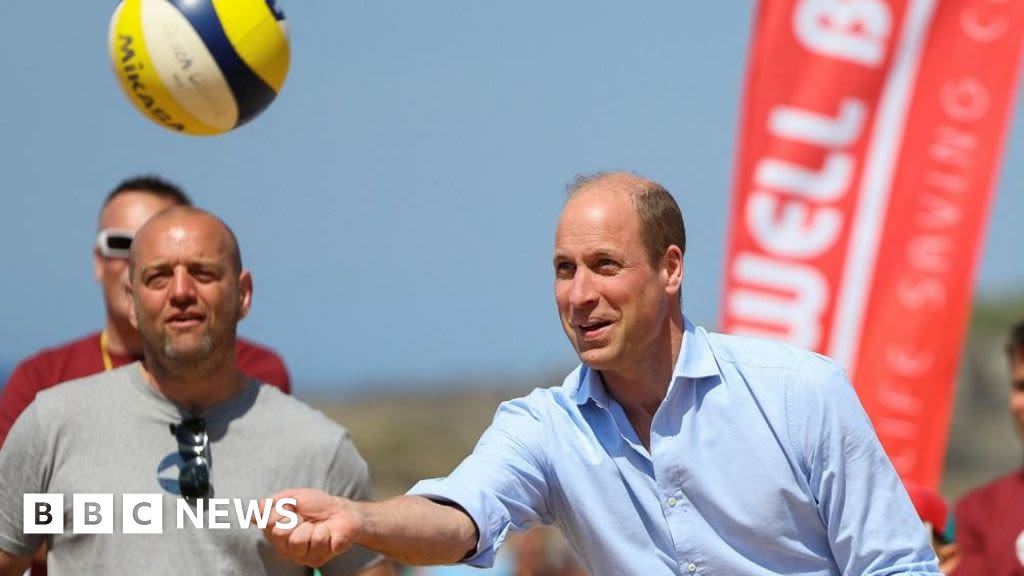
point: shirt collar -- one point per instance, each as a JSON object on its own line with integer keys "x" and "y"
{"x": 695, "y": 361}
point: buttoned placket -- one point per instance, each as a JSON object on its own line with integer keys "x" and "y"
{"x": 669, "y": 467}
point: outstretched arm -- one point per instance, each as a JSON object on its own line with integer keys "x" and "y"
{"x": 410, "y": 529}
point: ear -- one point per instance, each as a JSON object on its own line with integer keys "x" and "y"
{"x": 129, "y": 296}
{"x": 672, "y": 269}
{"x": 244, "y": 293}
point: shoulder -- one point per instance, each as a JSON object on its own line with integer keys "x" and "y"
{"x": 53, "y": 360}
{"x": 336, "y": 464}
{"x": 253, "y": 350}
{"x": 295, "y": 417}
{"x": 987, "y": 496}
{"x": 88, "y": 390}
{"x": 544, "y": 404}
{"x": 763, "y": 360}
{"x": 748, "y": 351}
{"x": 262, "y": 363}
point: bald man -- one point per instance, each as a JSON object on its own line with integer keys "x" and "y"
{"x": 669, "y": 450}
{"x": 126, "y": 208}
{"x": 185, "y": 426}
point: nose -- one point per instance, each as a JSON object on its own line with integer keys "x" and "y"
{"x": 183, "y": 289}
{"x": 582, "y": 291}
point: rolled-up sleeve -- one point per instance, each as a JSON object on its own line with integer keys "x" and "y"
{"x": 502, "y": 484}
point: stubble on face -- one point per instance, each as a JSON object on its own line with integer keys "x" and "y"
{"x": 610, "y": 301}
{"x": 186, "y": 293}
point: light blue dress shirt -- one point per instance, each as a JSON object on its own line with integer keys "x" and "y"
{"x": 762, "y": 461}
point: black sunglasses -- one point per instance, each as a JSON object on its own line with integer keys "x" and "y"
{"x": 194, "y": 448}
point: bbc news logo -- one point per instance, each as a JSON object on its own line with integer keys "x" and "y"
{"x": 143, "y": 513}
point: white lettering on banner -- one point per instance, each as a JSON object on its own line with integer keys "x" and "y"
{"x": 953, "y": 146}
{"x": 925, "y": 282}
{"x": 983, "y": 27}
{"x": 918, "y": 293}
{"x": 852, "y": 30}
{"x": 868, "y": 217}
{"x": 793, "y": 228}
{"x": 787, "y": 218}
{"x": 930, "y": 253}
{"x": 965, "y": 100}
{"x": 907, "y": 364}
{"x": 784, "y": 232}
{"x": 811, "y": 127}
{"x": 901, "y": 399}
{"x": 900, "y": 419}
{"x": 788, "y": 303}
{"x": 826, "y": 185}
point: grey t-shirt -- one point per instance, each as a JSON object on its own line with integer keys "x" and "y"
{"x": 109, "y": 434}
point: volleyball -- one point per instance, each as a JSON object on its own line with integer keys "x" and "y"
{"x": 199, "y": 66}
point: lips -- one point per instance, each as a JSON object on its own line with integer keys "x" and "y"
{"x": 185, "y": 319}
{"x": 592, "y": 329}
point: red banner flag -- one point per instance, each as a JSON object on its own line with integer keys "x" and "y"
{"x": 871, "y": 136}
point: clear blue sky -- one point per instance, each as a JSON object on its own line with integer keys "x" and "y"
{"x": 397, "y": 202}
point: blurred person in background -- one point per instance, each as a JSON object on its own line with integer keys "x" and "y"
{"x": 669, "y": 450}
{"x": 126, "y": 208}
{"x": 990, "y": 519}
{"x": 184, "y": 424}
{"x": 934, "y": 512}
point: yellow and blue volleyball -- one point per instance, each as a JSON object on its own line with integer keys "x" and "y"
{"x": 199, "y": 66}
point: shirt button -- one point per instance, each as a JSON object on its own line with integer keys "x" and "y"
{"x": 692, "y": 567}
{"x": 672, "y": 502}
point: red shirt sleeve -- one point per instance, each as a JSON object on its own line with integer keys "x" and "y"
{"x": 17, "y": 394}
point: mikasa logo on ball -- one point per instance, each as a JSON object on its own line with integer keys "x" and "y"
{"x": 199, "y": 66}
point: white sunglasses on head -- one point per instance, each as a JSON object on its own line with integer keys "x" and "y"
{"x": 115, "y": 242}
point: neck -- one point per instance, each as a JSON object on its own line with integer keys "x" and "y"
{"x": 644, "y": 385}
{"x": 641, "y": 390}
{"x": 122, "y": 338}
{"x": 198, "y": 387}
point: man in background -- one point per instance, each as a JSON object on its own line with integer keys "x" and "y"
{"x": 990, "y": 519}
{"x": 934, "y": 512}
{"x": 125, "y": 210}
{"x": 183, "y": 426}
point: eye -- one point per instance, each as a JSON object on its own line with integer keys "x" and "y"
{"x": 607, "y": 266}
{"x": 564, "y": 270}
{"x": 204, "y": 274}
{"x": 156, "y": 279}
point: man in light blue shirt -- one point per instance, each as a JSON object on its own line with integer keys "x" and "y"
{"x": 670, "y": 450}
